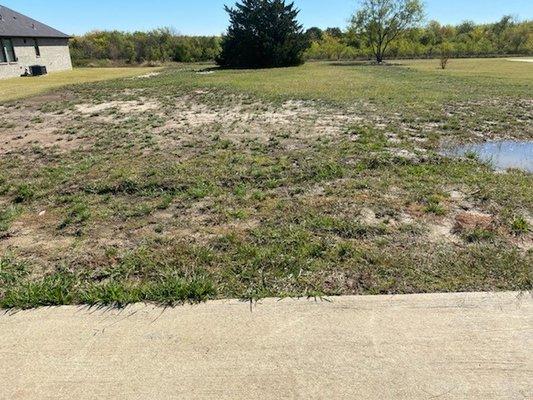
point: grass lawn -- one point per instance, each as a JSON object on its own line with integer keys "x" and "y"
{"x": 326, "y": 179}
{"x": 18, "y": 88}
{"x": 419, "y": 81}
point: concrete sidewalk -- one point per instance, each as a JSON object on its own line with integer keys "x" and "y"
{"x": 452, "y": 346}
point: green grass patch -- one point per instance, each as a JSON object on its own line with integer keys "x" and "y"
{"x": 18, "y": 88}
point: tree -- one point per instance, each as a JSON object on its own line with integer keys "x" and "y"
{"x": 314, "y": 34}
{"x": 465, "y": 27}
{"x": 335, "y": 32}
{"x": 330, "y": 48}
{"x": 383, "y": 21}
{"x": 499, "y": 32}
{"x": 263, "y": 34}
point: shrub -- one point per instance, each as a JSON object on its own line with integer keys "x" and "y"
{"x": 445, "y": 54}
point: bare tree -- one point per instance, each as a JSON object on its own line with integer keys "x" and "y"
{"x": 383, "y": 21}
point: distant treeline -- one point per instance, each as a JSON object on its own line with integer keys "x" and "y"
{"x": 160, "y": 45}
{"x": 467, "y": 39}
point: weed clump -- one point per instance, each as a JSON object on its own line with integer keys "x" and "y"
{"x": 24, "y": 193}
{"x": 520, "y": 226}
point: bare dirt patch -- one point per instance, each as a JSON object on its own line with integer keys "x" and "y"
{"x": 526, "y": 60}
{"x": 442, "y": 231}
{"x": 297, "y": 120}
{"x": 36, "y": 138}
{"x": 146, "y": 76}
{"x": 33, "y": 234}
{"x": 473, "y": 220}
{"x": 28, "y": 127}
{"x": 142, "y": 105}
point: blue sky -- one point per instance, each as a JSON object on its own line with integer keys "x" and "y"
{"x": 208, "y": 17}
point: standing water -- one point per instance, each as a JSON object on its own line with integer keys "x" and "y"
{"x": 502, "y": 155}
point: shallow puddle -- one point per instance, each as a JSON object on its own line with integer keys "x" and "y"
{"x": 502, "y": 155}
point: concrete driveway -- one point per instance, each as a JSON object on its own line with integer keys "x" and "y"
{"x": 451, "y": 346}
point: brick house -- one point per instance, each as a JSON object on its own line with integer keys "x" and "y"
{"x": 25, "y": 42}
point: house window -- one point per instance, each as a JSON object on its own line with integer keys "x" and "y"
{"x": 36, "y": 47}
{"x": 8, "y": 50}
{"x": 3, "y": 55}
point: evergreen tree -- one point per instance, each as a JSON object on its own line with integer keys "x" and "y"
{"x": 263, "y": 34}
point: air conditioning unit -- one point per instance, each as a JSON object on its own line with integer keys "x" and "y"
{"x": 36, "y": 70}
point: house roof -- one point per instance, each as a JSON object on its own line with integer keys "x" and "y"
{"x": 14, "y": 24}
